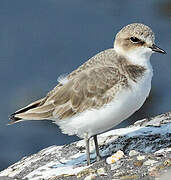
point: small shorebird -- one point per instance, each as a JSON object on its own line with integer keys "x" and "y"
{"x": 102, "y": 92}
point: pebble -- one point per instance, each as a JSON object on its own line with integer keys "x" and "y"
{"x": 140, "y": 157}
{"x": 133, "y": 153}
{"x": 101, "y": 172}
{"x": 154, "y": 173}
{"x": 84, "y": 172}
{"x": 167, "y": 163}
{"x": 149, "y": 162}
{"x": 115, "y": 157}
{"x": 119, "y": 173}
{"x": 115, "y": 166}
{"x": 90, "y": 177}
{"x": 138, "y": 163}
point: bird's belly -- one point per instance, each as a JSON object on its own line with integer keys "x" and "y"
{"x": 96, "y": 121}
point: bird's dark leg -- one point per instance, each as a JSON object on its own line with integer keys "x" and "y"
{"x": 98, "y": 157}
{"x": 87, "y": 150}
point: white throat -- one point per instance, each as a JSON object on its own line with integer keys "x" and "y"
{"x": 138, "y": 56}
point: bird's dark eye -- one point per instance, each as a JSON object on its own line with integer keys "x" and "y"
{"x": 134, "y": 40}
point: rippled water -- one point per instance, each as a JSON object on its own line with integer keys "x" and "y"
{"x": 39, "y": 40}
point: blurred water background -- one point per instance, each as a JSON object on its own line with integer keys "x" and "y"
{"x": 39, "y": 40}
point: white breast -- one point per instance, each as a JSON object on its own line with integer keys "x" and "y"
{"x": 123, "y": 105}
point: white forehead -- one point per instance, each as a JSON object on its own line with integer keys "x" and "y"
{"x": 138, "y": 30}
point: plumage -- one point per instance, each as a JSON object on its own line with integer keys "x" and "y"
{"x": 92, "y": 87}
{"x": 102, "y": 92}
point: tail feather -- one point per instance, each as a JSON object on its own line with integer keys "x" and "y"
{"x": 34, "y": 116}
{"x": 25, "y": 113}
{"x": 13, "y": 119}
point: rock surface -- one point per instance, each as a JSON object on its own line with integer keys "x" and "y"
{"x": 146, "y": 146}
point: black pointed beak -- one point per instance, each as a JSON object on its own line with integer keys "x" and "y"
{"x": 157, "y": 49}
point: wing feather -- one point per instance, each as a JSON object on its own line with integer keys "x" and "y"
{"x": 87, "y": 91}
{"x": 90, "y": 86}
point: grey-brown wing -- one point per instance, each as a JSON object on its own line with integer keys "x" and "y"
{"x": 90, "y": 86}
{"x": 90, "y": 89}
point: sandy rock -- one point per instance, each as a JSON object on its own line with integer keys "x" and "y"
{"x": 146, "y": 148}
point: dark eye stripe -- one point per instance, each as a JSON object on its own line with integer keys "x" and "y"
{"x": 136, "y": 40}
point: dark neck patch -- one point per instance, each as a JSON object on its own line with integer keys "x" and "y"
{"x": 134, "y": 71}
